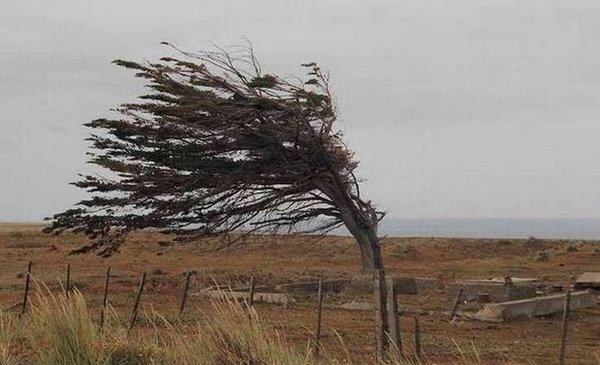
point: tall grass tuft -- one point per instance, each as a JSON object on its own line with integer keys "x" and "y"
{"x": 60, "y": 330}
{"x": 236, "y": 336}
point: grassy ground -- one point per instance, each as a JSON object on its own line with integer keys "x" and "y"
{"x": 287, "y": 259}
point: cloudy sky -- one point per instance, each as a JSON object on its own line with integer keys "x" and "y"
{"x": 457, "y": 108}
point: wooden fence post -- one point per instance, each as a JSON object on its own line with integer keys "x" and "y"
{"x": 455, "y": 305}
{"x": 393, "y": 322}
{"x": 26, "y": 291}
{"x": 68, "y": 281}
{"x": 319, "y": 313}
{"x": 185, "y": 292}
{"x": 565, "y": 327}
{"x": 417, "y": 338}
{"x": 251, "y": 292}
{"x": 381, "y": 322}
{"x": 134, "y": 311}
{"x": 104, "y": 298}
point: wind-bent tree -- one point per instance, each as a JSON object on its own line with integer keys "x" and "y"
{"x": 219, "y": 146}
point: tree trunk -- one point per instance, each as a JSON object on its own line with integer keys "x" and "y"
{"x": 363, "y": 226}
{"x": 368, "y": 243}
{"x": 370, "y": 251}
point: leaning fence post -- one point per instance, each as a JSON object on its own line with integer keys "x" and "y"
{"x": 393, "y": 322}
{"x": 417, "y": 338}
{"x": 134, "y": 311}
{"x": 251, "y": 291}
{"x": 565, "y": 327}
{"x": 185, "y": 292}
{"x": 319, "y": 313}
{"x": 104, "y": 298}
{"x": 455, "y": 305}
{"x": 68, "y": 281}
{"x": 26, "y": 291}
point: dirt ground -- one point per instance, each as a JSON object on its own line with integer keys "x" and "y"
{"x": 282, "y": 259}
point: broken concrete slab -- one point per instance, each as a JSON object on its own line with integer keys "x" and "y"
{"x": 588, "y": 280}
{"x": 275, "y": 298}
{"x": 497, "y": 291}
{"x": 534, "y": 307}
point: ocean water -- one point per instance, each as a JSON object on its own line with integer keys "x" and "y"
{"x": 588, "y": 228}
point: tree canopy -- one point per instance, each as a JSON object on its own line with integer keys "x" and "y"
{"x": 217, "y": 146}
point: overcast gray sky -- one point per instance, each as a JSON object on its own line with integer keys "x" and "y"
{"x": 457, "y": 108}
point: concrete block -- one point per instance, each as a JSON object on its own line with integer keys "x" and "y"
{"x": 588, "y": 280}
{"x": 534, "y": 307}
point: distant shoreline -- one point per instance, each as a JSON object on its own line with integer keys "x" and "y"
{"x": 490, "y": 228}
{"x": 552, "y": 228}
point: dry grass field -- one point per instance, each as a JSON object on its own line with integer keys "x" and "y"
{"x": 281, "y": 259}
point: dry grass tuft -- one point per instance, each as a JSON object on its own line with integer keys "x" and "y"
{"x": 59, "y": 330}
{"x": 8, "y": 330}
